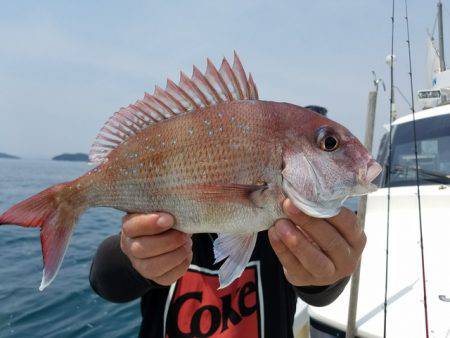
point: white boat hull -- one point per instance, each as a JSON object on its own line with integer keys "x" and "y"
{"x": 405, "y": 311}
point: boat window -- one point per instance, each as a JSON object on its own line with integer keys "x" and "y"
{"x": 433, "y": 152}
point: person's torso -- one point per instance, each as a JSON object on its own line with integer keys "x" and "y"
{"x": 261, "y": 303}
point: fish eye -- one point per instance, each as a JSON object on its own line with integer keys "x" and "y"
{"x": 327, "y": 141}
{"x": 330, "y": 143}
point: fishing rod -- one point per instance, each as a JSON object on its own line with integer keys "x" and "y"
{"x": 413, "y": 111}
{"x": 388, "y": 172}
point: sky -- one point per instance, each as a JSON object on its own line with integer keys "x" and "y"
{"x": 65, "y": 67}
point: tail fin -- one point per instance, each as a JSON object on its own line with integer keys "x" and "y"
{"x": 56, "y": 217}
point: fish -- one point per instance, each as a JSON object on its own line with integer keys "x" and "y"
{"x": 211, "y": 153}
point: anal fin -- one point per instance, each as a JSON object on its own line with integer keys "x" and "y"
{"x": 237, "y": 250}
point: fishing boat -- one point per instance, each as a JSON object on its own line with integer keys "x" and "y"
{"x": 404, "y": 287}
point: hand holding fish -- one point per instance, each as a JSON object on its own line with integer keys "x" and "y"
{"x": 317, "y": 251}
{"x": 156, "y": 251}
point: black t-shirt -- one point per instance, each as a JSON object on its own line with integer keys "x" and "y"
{"x": 261, "y": 303}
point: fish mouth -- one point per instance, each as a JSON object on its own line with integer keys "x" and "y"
{"x": 324, "y": 209}
{"x": 364, "y": 179}
{"x": 373, "y": 170}
{"x": 367, "y": 175}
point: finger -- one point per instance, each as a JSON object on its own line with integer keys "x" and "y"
{"x": 314, "y": 260}
{"x": 159, "y": 265}
{"x": 294, "y": 270}
{"x": 174, "y": 274}
{"x": 298, "y": 217}
{"x": 346, "y": 223}
{"x": 343, "y": 255}
{"x": 137, "y": 225}
{"x": 286, "y": 257}
{"x": 330, "y": 241}
{"x": 294, "y": 214}
{"x": 155, "y": 245}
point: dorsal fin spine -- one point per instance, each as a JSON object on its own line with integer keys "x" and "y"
{"x": 164, "y": 106}
{"x": 144, "y": 107}
{"x": 203, "y": 80}
{"x": 180, "y": 106}
{"x": 215, "y": 75}
{"x": 130, "y": 117}
{"x": 151, "y": 102}
{"x": 191, "y": 93}
{"x": 106, "y": 130}
{"x": 169, "y": 102}
{"x": 118, "y": 127}
{"x": 253, "y": 89}
{"x": 182, "y": 93}
{"x": 103, "y": 145}
{"x": 192, "y": 86}
{"x": 140, "y": 111}
{"x": 114, "y": 133}
{"x": 237, "y": 66}
{"x": 108, "y": 139}
{"x": 233, "y": 79}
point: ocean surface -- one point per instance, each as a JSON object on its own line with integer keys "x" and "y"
{"x": 68, "y": 307}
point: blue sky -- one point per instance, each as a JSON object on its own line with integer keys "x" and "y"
{"x": 66, "y": 67}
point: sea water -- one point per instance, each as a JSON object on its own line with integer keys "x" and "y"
{"x": 68, "y": 307}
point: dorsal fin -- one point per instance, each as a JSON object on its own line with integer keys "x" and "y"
{"x": 200, "y": 91}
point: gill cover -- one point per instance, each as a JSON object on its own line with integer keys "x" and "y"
{"x": 302, "y": 184}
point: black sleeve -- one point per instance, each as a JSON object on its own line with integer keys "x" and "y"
{"x": 321, "y": 295}
{"x": 113, "y": 277}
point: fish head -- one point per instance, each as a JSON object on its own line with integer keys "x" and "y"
{"x": 324, "y": 164}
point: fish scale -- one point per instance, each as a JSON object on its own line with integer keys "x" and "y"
{"x": 212, "y": 154}
{"x": 236, "y": 155}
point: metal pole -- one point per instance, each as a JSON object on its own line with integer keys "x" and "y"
{"x": 419, "y": 203}
{"x": 441, "y": 37}
{"x": 354, "y": 288}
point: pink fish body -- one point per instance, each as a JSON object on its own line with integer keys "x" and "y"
{"x": 212, "y": 154}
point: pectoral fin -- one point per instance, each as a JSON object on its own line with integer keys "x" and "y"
{"x": 238, "y": 193}
{"x": 237, "y": 250}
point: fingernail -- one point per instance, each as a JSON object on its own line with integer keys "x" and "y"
{"x": 283, "y": 228}
{"x": 164, "y": 221}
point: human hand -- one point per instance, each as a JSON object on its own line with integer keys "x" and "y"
{"x": 317, "y": 251}
{"x": 156, "y": 251}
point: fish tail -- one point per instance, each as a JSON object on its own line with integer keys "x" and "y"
{"x": 55, "y": 213}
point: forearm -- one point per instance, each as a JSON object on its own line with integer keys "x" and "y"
{"x": 321, "y": 295}
{"x": 112, "y": 275}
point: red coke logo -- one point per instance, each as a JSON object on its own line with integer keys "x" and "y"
{"x": 198, "y": 309}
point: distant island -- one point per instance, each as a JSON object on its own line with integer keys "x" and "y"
{"x": 3, "y": 155}
{"x": 78, "y": 157}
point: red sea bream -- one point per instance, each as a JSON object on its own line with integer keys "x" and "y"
{"x": 208, "y": 151}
